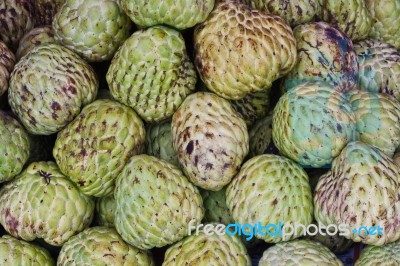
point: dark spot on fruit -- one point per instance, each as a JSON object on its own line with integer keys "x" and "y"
{"x": 136, "y": 181}
{"x": 275, "y": 202}
{"x": 81, "y": 183}
{"x": 209, "y": 166}
{"x": 45, "y": 175}
{"x": 196, "y": 160}
{"x": 189, "y": 147}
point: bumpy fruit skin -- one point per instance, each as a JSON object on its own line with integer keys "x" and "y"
{"x": 43, "y": 203}
{"x": 260, "y": 135}
{"x": 386, "y": 255}
{"x": 105, "y": 211}
{"x": 216, "y": 210}
{"x": 94, "y": 29}
{"x": 240, "y": 50}
{"x": 93, "y": 149}
{"x": 324, "y": 54}
{"x": 33, "y": 38}
{"x": 18, "y": 252}
{"x": 299, "y": 252}
{"x": 312, "y": 123}
{"x": 377, "y": 119}
{"x": 255, "y": 194}
{"x": 379, "y": 65}
{"x": 101, "y": 246}
{"x": 253, "y": 106}
{"x": 386, "y": 21}
{"x": 48, "y": 88}
{"x": 361, "y": 189}
{"x": 46, "y": 10}
{"x": 350, "y": 16}
{"x": 7, "y": 62}
{"x": 295, "y": 12}
{"x": 211, "y": 140}
{"x": 180, "y": 15}
{"x": 336, "y": 243}
{"x": 16, "y": 19}
{"x": 159, "y": 142}
{"x": 14, "y": 148}
{"x": 204, "y": 250}
{"x": 152, "y": 73}
{"x": 396, "y": 158}
{"x": 155, "y": 203}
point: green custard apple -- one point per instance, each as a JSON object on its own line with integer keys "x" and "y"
{"x": 386, "y": 255}
{"x": 260, "y": 136}
{"x": 35, "y": 37}
{"x": 105, "y": 211}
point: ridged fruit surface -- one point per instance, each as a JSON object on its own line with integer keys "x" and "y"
{"x": 45, "y": 10}
{"x": 240, "y": 50}
{"x": 7, "y": 62}
{"x": 386, "y": 255}
{"x": 14, "y": 148}
{"x": 202, "y": 249}
{"x": 43, "y": 203}
{"x": 312, "y": 123}
{"x": 336, "y": 243}
{"x": 152, "y": 73}
{"x": 324, "y": 54}
{"x": 101, "y": 246}
{"x": 48, "y": 88}
{"x": 216, "y": 210}
{"x": 105, "y": 211}
{"x": 36, "y": 36}
{"x": 362, "y": 189}
{"x": 211, "y": 140}
{"x": 260, "y": 136}
{"x": 253, "y": 106}
{"x": 94, "y": 29}
{"x": 15, "y": 252}
{"x": 155, "y": 203}
{"x": 178, "y": 14}
{"x": 270, "y": 189}
{"x": 299, "y": 252}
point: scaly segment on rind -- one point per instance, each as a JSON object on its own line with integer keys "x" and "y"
{"x": 299, "y": 252}
{"x": 94, "y": 29}
{"x": 211, "y": 140}
{"x": 48, "y": 88}
{"x": 270, "y": 189}
{"x": 93, "y": 149}
{"x": 324, "y": 54}
{"x": 362, "y": 189}
{"x": 105, "y": 211}
{"x": 155, "y": 203}
{"x": 7, "y": 62}
{"x": 101, "y": 246}
{"x": 152, "y": 73}
{"x": 180, "y": 14}
{"x": 312, "y": 123}
{"x": 14, "y": 147}
{"x": 43, "y": 203}
{"x": 260, "y": 136}
{"x": 33, "y": 38}
{"x": 386, "y": 255}
{"x": 240, "y": 50}
{"x": 253, "y": 106}
{"x": 216, "y": 210}
{"x": 45, "y": 10}
{"x": 18, "y": 252}
{"x": 204, "y": 250}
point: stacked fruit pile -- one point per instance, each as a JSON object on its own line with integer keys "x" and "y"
{"x": 125, "y": 125}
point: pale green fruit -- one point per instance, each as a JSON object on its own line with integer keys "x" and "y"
{"x": 152, "y": 73}
{"x": 240, "y": 50}
{"x": 260, "y": 135}
{"x": 93, "y": 149}
{"x": 256, "y": 195}
{"x": 33, "y": 38}
{"x": 312, "y": 123}
{"x": 216, "y": 210}
{"x": 253, "y": 106}
{"x": 299, "y": 253}
{"x": 15, "y": 252}
{"x": 14, "y": 148}
{"x": 45, "y": 10}
{"x": 105, "y": 211}
{"x": 204, "y": 250}
{"x": 377, "y": 119}
{"x": 181, "y": 14}
{"x": 361, "y": 189}
{"x": 7, "y": 62}
{"x": 43, "y": 203}
{"x": 48, "y": 88}
{"x": 154, "y": 203}
{"x": 324, "y": 54}
{"x": 101, "y": 246}
{"x": 386, "y": 21}
{"x": 386, "y": 255}
{"x": 94, "y": 29}
{"x": 159, "y": 142}
{"x": 211, "y": 140}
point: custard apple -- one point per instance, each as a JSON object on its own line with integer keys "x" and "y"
{"x": 324, "y": 54}
{"x": 361, "y": 189}
{"x": 96, "y": 145}
{"x": 312, "y": 123}
{"x": 208, "y": 248}
{"x": 152, "y": 73}
{"x": 101, "y": 246}
{"x": 154, "y": 203}
{"x": 33, "y": 38}
{"x": 299, "y": 253}
{"x": 240, "y": 50}
{"x": 105, "y": 211}
{"x": 216, "y": 210}
{"x": 336, "y": 243}
{"x": 7, "y": 62}
{"x": 260, "y": 135}
{"x": 386, "y": 255}
{"x": 43, "y": 203}
{"x": 49, "y": 86}
{"x": 211, "y": 140}
{"x": 256, "y": 195}
{"x": 45, "y": 10}
{"x": 253, "y": 106}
